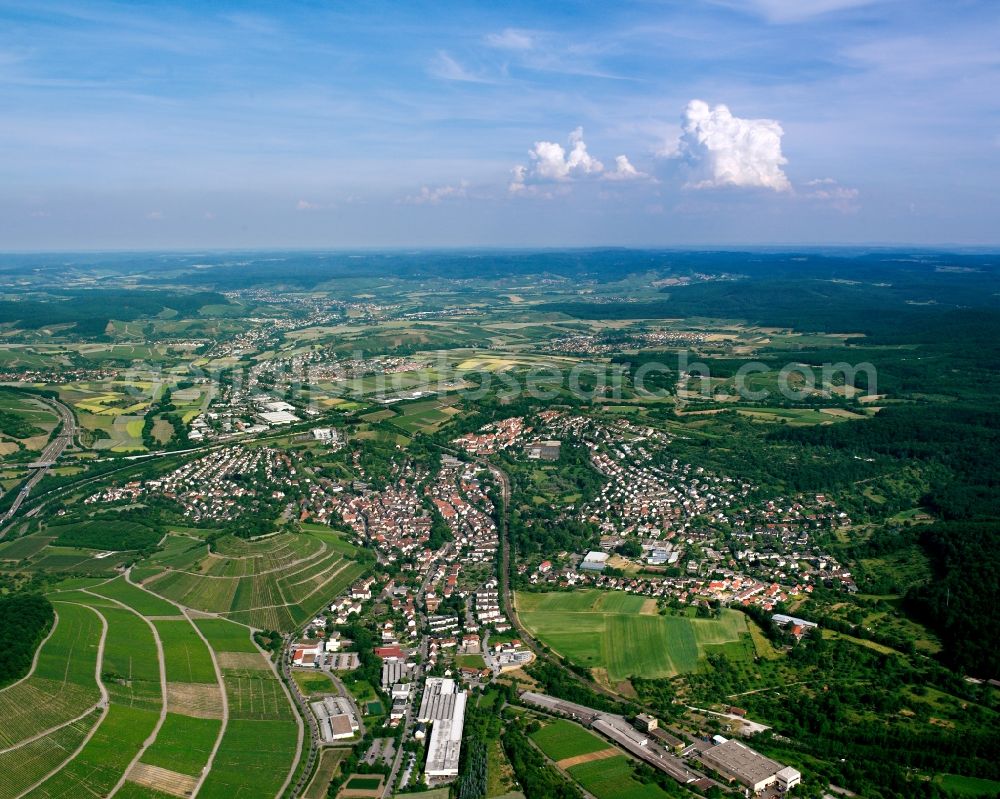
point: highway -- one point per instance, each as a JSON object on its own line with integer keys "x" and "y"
{"x": 49, "y": 456}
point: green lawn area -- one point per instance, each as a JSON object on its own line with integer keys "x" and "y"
{"x": 313, "y": 682}
{"x": 967, "y": 786}
{"x": 562, "y": 739}
{"x": 623, "y": 633}
{"x": 363, "y": 783}
{"x": 613, "y": 779}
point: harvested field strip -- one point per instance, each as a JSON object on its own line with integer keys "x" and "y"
{"x": 604, "y": 754}
{"x": 242, "y": 661}
{"x": 187, "y": 657}
{"x": 104, "y": 758}
{"x": 64, "y": 682}
{"x": 182, "y": 745}
{"x": 132, "y": 790}
{"x": 200, "y": 700}
{"x": 161, "y": 779}
{"x": 253, "y": 761}
{"x": 24, "y": 766}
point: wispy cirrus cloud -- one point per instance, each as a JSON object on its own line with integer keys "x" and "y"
{"x": 446, "y": 67}
{"x": 434, "y": 195}
{"x": 511, "y": 39}
{"x": 828, "y": 190}
{"x": 790, "y": 11}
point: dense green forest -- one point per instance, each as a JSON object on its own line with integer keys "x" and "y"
{"x": 24, "y": 621}
{"x": 89, "y": 311}
{"x": 961, "y": 602}
{"x": 17, "y": 426}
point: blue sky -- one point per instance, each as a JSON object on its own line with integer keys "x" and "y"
{"x": 335, "y": 124}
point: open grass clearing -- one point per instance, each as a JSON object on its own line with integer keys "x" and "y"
{"x": 609, "y": 630}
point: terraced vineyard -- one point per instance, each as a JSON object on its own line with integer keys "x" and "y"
{"x": 274, "y": 583}
{"x": 131, "y": 697}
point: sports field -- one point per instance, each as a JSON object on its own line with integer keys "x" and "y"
{"x": 614, "y": 779}
{"x": 623, "y": 633}
{"x": 562, "y": 739}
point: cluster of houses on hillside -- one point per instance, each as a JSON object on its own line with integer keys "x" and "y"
{"x": 460, "y": 498}
{"x": 224, "y": 485}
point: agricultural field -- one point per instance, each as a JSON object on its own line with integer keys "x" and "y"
{"x": 329, "y": 763}
{"x": 63, "y": 685}
{"x": 624, "y": 636}
{"x": 24, "y": 421}
{"x": 614, "y": 778}
{"x": 563, "y": 739}
{"x": 275, "y": 583}
{"x": 157, "y": 733}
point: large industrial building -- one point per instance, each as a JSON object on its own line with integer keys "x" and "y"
{"x": 443, "y": 705}
{"x": 335, "y": 717}
{"x": 741, "y": 763}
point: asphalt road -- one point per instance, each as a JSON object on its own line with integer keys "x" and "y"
{"x": 49, "y": 456}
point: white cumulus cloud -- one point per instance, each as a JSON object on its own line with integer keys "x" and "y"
{"x": 553, "y": 163}
{"x": 624, "y": 170}
{"x": 726, "y": 150}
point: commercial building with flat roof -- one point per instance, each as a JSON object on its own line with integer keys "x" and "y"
{"x": 443, "y": 705}
{"x": 741, "y": 763}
